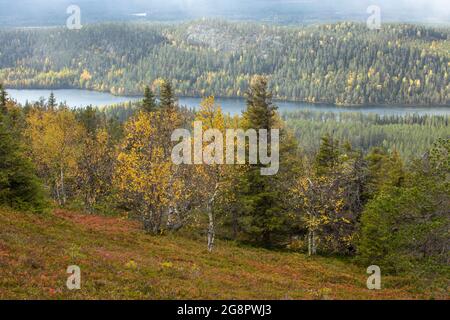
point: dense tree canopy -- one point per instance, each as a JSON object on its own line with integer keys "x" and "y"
{"x": 342, "y": 63}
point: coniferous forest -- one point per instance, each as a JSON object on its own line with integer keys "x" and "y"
{"x": 341, "y": 63}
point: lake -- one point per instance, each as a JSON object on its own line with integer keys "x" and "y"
{"x": 82, "y": 98}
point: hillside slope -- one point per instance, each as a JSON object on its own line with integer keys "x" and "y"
{"x": 119, "y": 261}
{"x": 343, "y": 63}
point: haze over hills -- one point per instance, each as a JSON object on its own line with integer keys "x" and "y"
{"x": 343, "y": 63}
{"x": 53, "y": 12}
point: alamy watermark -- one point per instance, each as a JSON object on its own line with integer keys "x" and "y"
{"x": 374, "y": 20}
{"x": 73, "y": 22}
{"x": 191, "y": 150}
{"x": 374, "y": 281}
{"x": 74, "y": 280}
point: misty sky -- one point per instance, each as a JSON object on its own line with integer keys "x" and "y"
{"x": 98, "y": 10}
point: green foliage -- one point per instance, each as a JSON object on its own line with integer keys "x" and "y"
{"x": 405, "y": 227}
{"x": 3, "y": 99}
{"x": 19, "y": 186}
{"x": 120, "y": 112}
{"x": 412, "y": 135}
{"x": 149, "y": 101}
{"x": 90, "y": 118}
{"x": 262, "y": 215}
{"x": 262, "y": 218}
{"x": 260, "y": 113}
{"x": 384, "y": 170}
{"x": 327, "y": 157}
{"x": 342, "y": 63}
{"x": 52, "y": 101}
{"x": 167, "y": 95}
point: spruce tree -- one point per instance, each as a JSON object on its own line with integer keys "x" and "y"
{"x": 167, "y": 97}
{"x": 3, "y": 99}
{"x": 384, "y": 170}
{"x": 328, "y": 156}
{"x": 19, "y": 185}
{"x": 149, "y": 102}
{"x": 260, "y": 113}
{"x": 262, "y": 217}
{"x": 91, "y": 119}
{"x": 51, "y": 104}
{"x": 405, "y": 226}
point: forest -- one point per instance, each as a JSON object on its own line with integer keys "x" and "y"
{"x": 366, "y": 203}
{"x": 411, "y": 134}
{"x": 341, "y": 63}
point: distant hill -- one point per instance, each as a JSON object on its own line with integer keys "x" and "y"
{"x": 343, "y": 63}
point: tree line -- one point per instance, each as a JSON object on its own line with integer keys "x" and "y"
{"x": 411, "y": 135}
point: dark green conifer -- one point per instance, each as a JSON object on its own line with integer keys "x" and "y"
{"x": 3, "y": 99}
{"x": 262, "y": 216}
{"x": 167, "y": 96}
{"x": 51, "y": 104}
{"x": 149, "y": 101}
{"x": 19, "y": 186}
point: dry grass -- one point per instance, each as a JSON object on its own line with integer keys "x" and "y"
{"x": 119, "y": 261}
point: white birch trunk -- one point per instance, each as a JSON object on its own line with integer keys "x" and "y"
{"x": 63, "y": 191}
{"x": 211, "y": 226}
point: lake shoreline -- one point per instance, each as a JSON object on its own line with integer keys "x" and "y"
{"x": 76, "y": 98}
{"x": 275, "y": 100}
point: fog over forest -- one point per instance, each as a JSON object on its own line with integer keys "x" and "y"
{"x": 53, "y": 12}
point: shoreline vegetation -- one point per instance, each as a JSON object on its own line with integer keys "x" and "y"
{"x": 137, "y": 97}
{"x": 338, "y": 64}
{"x": 410, "y": 133}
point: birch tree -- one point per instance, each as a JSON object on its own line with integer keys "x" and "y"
{"x": 96, "y": 168}
{"x": 145, "y": 175}
{"x": 55, "y": 138}
{"x": 213, "y": 174}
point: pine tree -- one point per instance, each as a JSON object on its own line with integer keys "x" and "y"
{"x": 90, "y": 118}
{"x": 149, "y": 102}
